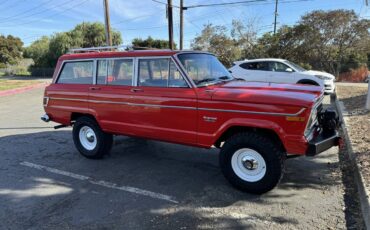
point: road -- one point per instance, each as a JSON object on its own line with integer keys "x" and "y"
{"x": 143, "y": 184}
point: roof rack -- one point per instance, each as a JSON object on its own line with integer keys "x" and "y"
{"x": 100, "y": 49}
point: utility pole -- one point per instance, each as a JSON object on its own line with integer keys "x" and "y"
{"x": 108, "y": 36}
{"x": 181, "y": 23}
{"x": 170, "y": 24}
{"x": 276, "y": 13}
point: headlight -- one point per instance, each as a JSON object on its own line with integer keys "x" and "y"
{"x": 323, "y": 77}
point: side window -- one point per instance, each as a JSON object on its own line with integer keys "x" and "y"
{"x": 159, "y": 72}
{"x": 255, "y": 66}
{"x": 79, "y": 72}
{"x": 278, "y": 67}
{"x": 115, "y": 72}
{"x": 249, "y": 65}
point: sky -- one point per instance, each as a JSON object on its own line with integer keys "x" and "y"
{"x": 32, "y": 19}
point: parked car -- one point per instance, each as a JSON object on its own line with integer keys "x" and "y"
{"x": 189, "y": 98}
{"x": 281, "y": 71}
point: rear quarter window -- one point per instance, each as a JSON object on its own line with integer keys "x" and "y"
{"x": 77, "y": 72}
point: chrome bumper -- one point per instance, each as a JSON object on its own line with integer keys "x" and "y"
{"x": 45, "y": 118}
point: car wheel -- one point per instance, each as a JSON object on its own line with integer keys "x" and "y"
{"x": 89, "y": 138}
{"x": 251, "y": 162}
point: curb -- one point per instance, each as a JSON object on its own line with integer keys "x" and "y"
{"x": 364, "y": 195}
{"x": 21, "y": 89}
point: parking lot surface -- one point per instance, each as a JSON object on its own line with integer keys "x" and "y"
{"x": 144, "y": 184}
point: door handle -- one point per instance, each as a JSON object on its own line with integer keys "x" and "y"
{"x": 134, "y": 90}
{"x": 94, "y": 88}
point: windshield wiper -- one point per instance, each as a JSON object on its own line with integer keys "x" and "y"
{"x": 224, "y": 78}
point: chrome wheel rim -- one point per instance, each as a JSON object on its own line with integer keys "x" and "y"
{"x": 87, "y": 138}
{"x": 248, "y": 165}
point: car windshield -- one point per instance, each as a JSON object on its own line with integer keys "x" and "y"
{"x": 204, "y": 69}
{"x": 297, "y": 67}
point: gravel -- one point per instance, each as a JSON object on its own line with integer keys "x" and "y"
{"x": 354, "y": 99}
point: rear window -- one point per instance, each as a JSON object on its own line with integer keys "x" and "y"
{"x": 79, "y": 72}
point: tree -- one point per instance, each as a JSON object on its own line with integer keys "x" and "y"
{"x": 330, "y": 36}
{"x": 214, "y": 39}
{"x": 38, "y": 51}
{"x": 151, "y": 43}
{"x": 10, "y": 50}
{"x": 46, "y": 51}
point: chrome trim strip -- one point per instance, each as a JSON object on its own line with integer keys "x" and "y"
{"x": 254, "y": 112}
{"x": 182, "y": 107}
{"x": 95, "y": 72}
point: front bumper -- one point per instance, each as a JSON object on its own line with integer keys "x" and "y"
{"x": 329, "y": 87}
{"x": 322, "y": 142}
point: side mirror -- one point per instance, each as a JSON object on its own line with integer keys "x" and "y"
{"x": 289, "y": 70}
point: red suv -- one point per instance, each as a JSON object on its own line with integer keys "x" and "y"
{"x": 189, "y": 98}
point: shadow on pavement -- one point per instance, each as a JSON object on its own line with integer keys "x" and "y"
{"x": 191, "y": 175}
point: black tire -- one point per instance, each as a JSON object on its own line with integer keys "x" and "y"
{"x": 269, "y": 150}
{"x": 104, "y": 141}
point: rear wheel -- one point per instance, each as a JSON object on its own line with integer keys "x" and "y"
{"x": 90, "y": 140}
{"x": 251, "y": 162}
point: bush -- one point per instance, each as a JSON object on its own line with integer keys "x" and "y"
{"x": 354, "y": 75}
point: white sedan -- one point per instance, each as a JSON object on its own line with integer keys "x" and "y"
{"x": 281, "y": 71}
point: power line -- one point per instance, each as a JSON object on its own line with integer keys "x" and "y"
{"x": 50, "y": 16}
{"x": 26, "y": 11}
{"x": 42, "y": 11}
{"x": 224, "y": 4}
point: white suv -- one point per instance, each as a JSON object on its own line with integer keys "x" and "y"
{"x": 281, "y": 71}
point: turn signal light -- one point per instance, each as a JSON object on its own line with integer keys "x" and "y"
{"x": 301, "y": 119}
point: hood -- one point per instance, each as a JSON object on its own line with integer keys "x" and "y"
{"x": 268, "y": 93}
{"x": 315, "y": 72}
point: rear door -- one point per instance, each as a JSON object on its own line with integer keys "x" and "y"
{"x": 255, "y": 71}
{"x": 110, "y": 98}
{"x": 163, "y": 102}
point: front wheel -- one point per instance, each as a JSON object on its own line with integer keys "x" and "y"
{"x": 252, "y": 162}
{"x": 90, "y": 140}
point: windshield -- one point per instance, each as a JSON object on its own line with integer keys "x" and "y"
{"x": 297, "y": 67}
{"x": 204, "y": 69}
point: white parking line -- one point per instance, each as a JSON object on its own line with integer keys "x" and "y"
{"x": 102, "y": 183}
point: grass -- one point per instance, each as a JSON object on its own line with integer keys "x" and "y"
{"x": 6, "y": 84}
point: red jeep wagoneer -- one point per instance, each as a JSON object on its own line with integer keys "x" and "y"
{"x": 189, "y": 98}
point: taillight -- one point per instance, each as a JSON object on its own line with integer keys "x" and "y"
{"x": 45, "y": 101}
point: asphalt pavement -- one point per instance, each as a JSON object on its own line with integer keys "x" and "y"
{"x": 144, "y": 184}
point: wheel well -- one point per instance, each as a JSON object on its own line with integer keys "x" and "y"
{"x": 75, "y": 116}
{"x": 308, "y": 82}
{"x": 238, "y": 129}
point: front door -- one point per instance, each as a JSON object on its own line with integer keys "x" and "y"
{"x": 280, "y": 73}
{"x": 164, "y": 103}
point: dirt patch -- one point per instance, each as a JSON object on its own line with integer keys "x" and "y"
{"x": 358, "y": 122}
